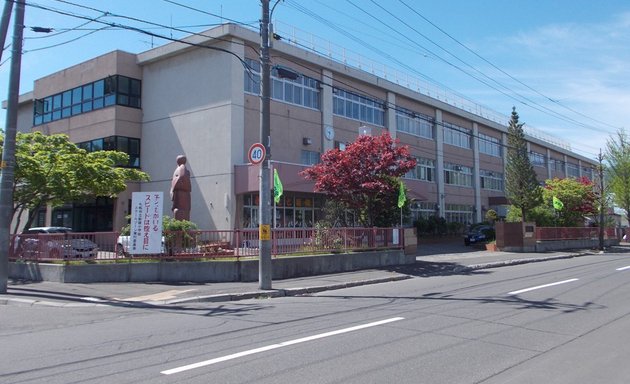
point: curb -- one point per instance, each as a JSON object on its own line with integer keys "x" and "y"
{"x": 273, "y": 293}
{"x": 282, "y": 292}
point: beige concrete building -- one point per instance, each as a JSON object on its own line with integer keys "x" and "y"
{"x": 185, "y": 98}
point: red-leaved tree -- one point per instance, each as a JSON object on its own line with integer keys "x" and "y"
{"x": 364, "y": 176}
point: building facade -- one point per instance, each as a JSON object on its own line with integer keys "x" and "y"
{"x": 200, "y": 97}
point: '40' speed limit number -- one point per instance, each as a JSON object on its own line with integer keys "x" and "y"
{"x": 256, "y": 153}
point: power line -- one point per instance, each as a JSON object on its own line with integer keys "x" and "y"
{"x": 139, "y": 30}
{"x": 501, "y": 70}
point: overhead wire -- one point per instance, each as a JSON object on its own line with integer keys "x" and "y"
{"x": 518, "y": 98}
{"x": 312, "y": 14}
{"x": 116, "y": 25}
{"x": 500, "y": 69}
{"x": 136, "y": 29}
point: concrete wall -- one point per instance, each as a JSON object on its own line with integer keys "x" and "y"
{"x": 211, "y": 271}
{"x": 193, "y": 105}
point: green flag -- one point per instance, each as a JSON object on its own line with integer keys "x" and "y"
{"x": 401, "y": 196}
{"x": 557, "y": 204}
{"x": 277, "y": 186}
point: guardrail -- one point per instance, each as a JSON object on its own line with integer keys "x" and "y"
{"x": 188, "y": 245}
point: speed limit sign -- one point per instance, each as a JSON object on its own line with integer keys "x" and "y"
{"x": 256, "y": 153}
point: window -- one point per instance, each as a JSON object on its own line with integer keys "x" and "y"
{"x": 457, "y": 136}
{"x": 303, "y": 91}
{"x": 573, "y": 170}
{"x": 357, "y": 107}
{"x": 491, "y": 180}
{"x": 587, "y": 172}
{"x": 309, "y": 157}
{"x": 414, "y": 123}
{"x": 422, "y": 209}
{"x": 455, "y": 174}
{"x": 537, "y": 159}
{"x": 489, "y": 145}
{"x": 113, "y": 90}
{"x": 340, "y": 146}
{"x": 556, "y": 165}
{"x": 458, "y": 213}
{"x": 129, "y": 145}
{"x": 424, "y": 170}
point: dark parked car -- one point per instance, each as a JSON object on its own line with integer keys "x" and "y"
{"x": 479, "y": 234}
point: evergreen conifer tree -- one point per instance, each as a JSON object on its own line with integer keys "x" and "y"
{"x": 521, "y": 185}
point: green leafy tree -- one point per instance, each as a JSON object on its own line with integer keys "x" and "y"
{"x": 364, "y": 177}
{"x": 521, "y": 185}
{"x": 617, "y": 157}
{"x": 577, "y": 199}
{"x": 52, "y": 170}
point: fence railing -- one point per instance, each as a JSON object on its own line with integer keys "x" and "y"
{"x": 572, "y": 233}
{"x": 182, "y": 245}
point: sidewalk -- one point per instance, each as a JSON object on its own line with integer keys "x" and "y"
{"x": 430, "y": 261}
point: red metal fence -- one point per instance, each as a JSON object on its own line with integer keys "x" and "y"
{"x": 572, "y": 233}
{"x": 180, "y": 245}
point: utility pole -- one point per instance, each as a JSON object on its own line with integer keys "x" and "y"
{"x": 602, "y": 199}
{"x": 8, "y": 151}
{"x": 4, "y": 23}
{"x": 264, "y": 216}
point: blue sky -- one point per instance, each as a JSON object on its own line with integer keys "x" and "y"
{"x": 562, "y": 64}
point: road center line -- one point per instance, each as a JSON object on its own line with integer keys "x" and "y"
{"x": 622, "y": 268}
{"x": 275, "y": 346}
{"x": 541, "y": 286}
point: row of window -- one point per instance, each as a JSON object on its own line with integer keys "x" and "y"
{"x": 489, "y": 145}
{"x": 303, "y": 90}
{"x": 414, "y": 123}
{"x": 112, "y": 90}
{"x": 355, "y": 106}
{"x": 129, "y": 145}
{"x": 455, "y": 174}
{"x": 457, "y": 136}
{"x": 537, "y": 159}
{"x": 460, "y": 175}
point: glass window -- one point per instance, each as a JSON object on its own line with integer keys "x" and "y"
{"x": 310, "y": 157}
{"x": 424, "y": 170}
{"x": 416, "y": 124}
{"x": 87, "y": 98}
{"x": 358, "y": 107}
{"x": 457, "y": 136}
{"x": 491, "y": 180}
{"x": 537, "y": 159}
{"x": 489, "y": 145}
{"x": 455, "y": 174}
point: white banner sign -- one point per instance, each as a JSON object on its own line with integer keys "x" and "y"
{"x": 146, "y": 223}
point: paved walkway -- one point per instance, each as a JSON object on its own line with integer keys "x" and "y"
{"x": 431, "y": 259}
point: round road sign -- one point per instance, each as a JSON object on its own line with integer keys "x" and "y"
{"x": 256, "y": 153}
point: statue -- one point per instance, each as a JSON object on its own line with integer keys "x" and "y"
{"x": 180, "y": 190}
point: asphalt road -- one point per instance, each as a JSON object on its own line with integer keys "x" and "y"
{"x": 562, "y": 321}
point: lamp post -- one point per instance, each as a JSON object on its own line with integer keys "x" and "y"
{"x": 264, "y": 217}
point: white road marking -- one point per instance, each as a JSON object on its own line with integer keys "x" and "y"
{"x": 275, "y": 346}
{"x": 622, "y": 268}
{"x": 166, "y": 295}
{"x": 541, "y": 286}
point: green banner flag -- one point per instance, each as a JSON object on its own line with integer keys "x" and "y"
{"x": 277, "y": 186}
{"x": 557, "y": 204}
{"x": 401, "y": 195}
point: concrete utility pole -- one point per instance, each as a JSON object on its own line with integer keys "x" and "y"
{"x": 8, "y": 151}
{"x": 602, "y": 199}
{"x": 264, "y": 216}
{"x": 4, "y": 23}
